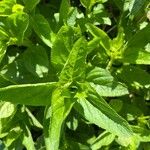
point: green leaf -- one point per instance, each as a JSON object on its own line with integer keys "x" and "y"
{"x": 137, "y": 50}
{"x": 133, "y": 75}
{"x": 27, "y": 138}
{"x": 89, "y": 3}
{"x": 30, "y": 5}
{"x": 98, "y": 33}
{"x": 3, "y": 34}
{"x": 143, "y": 134}
{"x": 64, "y": 9}
{"x": 6, "y": 7}
{"x": 7, "y": 109}
{"x": 3, "y": 49}
{"x": 103, "y": 139}
{"x": 74, "y": 67}
{"x": 60, "y": 107}
{"x": 17, "y": 24}
{"x": 7, "y": 112}
{"x": 13, "y": 134}
{"x": 33, "y": 120}
{"x": 63, "y": 44}
{"x": 28, "y": 94}
{"x": 105, "y": 85}
{"x": 36, "y": 60}
{"x": 136, "y": 5}
{"x": 43, "y": 30}
{"x": 97, "y": 111}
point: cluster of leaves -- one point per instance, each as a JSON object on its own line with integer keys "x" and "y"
{"x": 74, "y": 74}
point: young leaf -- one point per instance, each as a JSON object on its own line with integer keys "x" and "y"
{"x": 28, "y": 94}
{"x": 6, "y": 7}
{"x": 60, "y": 107}
{"x": 75, "y": 65}
{"x": 98, "y": 33}
{"x": 42, "y": 29}
{"x": 17, "y": 24}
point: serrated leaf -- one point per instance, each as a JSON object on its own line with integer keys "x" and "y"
{"x": 28, "y": 94}
{"x": 97, "y": 111}
{"x": 105, "y": 85}
{"x": 74, "y": 67}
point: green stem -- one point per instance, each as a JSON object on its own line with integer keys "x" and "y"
{"x": 110, "y": 64}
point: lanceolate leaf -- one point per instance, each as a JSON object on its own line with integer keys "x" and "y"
{"x": 60, "y": 107}
{"x": 28, "y": 94}
{"x": 97, "y": 111}
{"x": 104, "y": 38}
{"x": 75, "y": 64}
{"x": 136, "y": 5}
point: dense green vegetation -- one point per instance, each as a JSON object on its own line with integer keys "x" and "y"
{"x": 74, "y": 74}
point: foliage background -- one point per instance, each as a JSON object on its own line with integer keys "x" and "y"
{"x": 74, "y": 74}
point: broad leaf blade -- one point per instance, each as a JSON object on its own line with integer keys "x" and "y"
{"x": 36, "y": 60}
{"x": 138, "y": 48}
{"x": 28, "y": 94}
{"x": 105, "y": 85}
{"x": 42, "y": 29}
